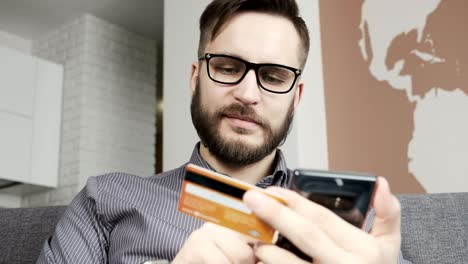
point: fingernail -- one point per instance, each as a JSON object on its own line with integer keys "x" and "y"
{"x": 253, "y": 199}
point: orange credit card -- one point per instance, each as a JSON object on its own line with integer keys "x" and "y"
{"x": 217, "y": 198}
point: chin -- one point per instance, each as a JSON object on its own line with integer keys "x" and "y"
{"x": 248, "y": 141}
{"x": 241, "y": 134}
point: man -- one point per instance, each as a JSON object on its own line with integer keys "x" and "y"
{"x": 246, "y": 86}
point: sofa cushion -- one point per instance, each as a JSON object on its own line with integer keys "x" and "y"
{"x": 435, "y": 228}
{"x": 24, "y": 230}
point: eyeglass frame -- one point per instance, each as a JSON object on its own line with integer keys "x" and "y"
{"x": 249, "y": 66}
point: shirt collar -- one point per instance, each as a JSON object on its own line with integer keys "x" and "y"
{"x": 280, "y": 177}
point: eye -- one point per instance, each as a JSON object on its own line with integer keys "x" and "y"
{"x": 272, "y": 79}
{"x": 227, "y": 69}
{"x": 274, "y": 75}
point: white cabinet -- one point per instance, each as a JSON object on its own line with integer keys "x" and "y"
{"x": 17, "y": 77}
{"x": 30, "y": 119}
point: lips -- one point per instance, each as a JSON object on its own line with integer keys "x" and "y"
{"x": 243, "y": 118}
{"x": 241, "y": 115}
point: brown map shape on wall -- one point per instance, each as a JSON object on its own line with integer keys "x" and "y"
{"x": 369, "y": 124}
{"x": 396, "y": 90}
{"x": 445, "y": 38}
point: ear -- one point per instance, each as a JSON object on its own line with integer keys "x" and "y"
{"x": 194, "y": 77}
{"x": 298, "y": 94}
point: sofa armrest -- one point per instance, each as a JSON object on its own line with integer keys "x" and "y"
{"x": 435, "y": 228}
{"x": 24, "y": 230}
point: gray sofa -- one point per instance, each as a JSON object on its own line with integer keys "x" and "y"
{"x": 434, "y": 229}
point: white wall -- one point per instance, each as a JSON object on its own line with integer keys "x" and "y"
{"x": 12, "y": 41}
{"x": 180, "y": 45}
{"x": 306, "y": 145}
{"x": 312, "y": 147}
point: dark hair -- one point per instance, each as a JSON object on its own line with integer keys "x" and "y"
{"x": 218, "y": 12}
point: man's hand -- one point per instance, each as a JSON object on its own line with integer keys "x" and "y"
{"x": 323, "y": 235}
{"x": 215, "y": 244}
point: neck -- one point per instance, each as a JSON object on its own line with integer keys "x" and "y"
{"x": 251, "y": 173}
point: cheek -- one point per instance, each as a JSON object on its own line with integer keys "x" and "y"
{"x": 276, "y": 115}
{"x": 212, "y": 98}
{"x": 280, "y": 107}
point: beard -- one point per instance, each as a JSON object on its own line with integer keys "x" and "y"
{"x": 236, "y": 152}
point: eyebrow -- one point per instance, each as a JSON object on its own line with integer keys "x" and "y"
{"x": 231, "y": 54}
{"x": 242, "y": 57}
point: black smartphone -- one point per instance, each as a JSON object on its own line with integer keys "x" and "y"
{"x": 346, "y": 194}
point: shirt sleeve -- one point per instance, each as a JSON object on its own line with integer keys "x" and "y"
{"x": 80, "y": 236}
{"x": 368, "y": 225}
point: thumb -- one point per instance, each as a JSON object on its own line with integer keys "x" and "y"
{"x": 387, "y": 213}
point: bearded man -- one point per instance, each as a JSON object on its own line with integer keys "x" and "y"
{"x": 245, "y": 88}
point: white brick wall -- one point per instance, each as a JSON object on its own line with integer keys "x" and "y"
{"x": 109, "y": 103}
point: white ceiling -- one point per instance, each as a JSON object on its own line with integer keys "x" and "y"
{"x": 31, "y": 18}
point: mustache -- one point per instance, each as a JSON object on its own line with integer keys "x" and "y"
{"x": 242, "y": 112}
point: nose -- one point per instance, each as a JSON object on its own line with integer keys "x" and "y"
{"x": 247, "y": 91}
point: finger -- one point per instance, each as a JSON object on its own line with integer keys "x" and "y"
{"x": 235, "y": 249}
{"x": 271, "y": 254}
{"x": 330, "y": 223}
{"x": 234, "y": 246}
{"x": 222, "y": 231}
{"x": 214, "y": 254}
{"x": 387, "y": 213}
{"x": 299, "y": 230}
{"x": 209, "y": 253}
{"x": 321, "y": 215}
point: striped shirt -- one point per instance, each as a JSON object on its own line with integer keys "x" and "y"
{"x": 122, "y": 218}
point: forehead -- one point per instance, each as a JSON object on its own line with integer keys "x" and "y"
{"x": 260, "y": 38}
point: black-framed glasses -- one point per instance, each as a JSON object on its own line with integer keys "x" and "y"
{"x": 275, "y": 78}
